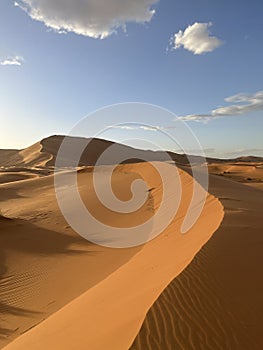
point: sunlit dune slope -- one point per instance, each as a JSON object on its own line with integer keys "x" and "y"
{"x": 62, "y": 292}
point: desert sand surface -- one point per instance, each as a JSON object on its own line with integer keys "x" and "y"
{"x": 52, "y": 279}
{"x": 249, "y": 173}
{"x": 216, "y": 302}
{"x": 60, "y": 291}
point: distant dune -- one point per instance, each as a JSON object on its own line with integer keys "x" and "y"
{"x": 43, "y": 154}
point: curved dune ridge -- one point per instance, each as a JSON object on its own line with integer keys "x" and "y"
{"x": 61, "y": 292}
{"x": 33, "y": 156}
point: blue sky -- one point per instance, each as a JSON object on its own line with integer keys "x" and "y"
{"x": 49, "y": 81}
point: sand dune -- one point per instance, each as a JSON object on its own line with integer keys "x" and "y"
{"x": 82, "y": 295}
{"x": 249, "y": 173}
{"x": 44, "y": 264}
{"x": 216, "y": 303}
{"x": 6, "y": 154}
{"x": 44, "y": 153}
{"x": 32, "y": 156}
{"x": 59, "y": 291}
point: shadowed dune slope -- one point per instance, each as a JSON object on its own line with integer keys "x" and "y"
{"x": 216, "y": 302}
{"x": 6, "y": 154}
{"x": 44, "y": 264}
{"x": 109, "y": 310}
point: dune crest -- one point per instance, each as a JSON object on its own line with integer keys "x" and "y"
{"x": 110, "y": 313}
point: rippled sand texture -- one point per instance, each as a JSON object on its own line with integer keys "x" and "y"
{"x": 216, "y": 303}
{"x": 61, "y": 292}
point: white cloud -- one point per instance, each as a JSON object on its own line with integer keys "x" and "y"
{"x": 196, "y": 117}
{"x": 244, "y": 103}
{"x": 92, "y": 18}
{"x": 141, "y": 127}
{"x": 151, "y": 128}
{"x": 247, "y": 103}
{"x": 12, "y": 61}
{"x": 123, "y": 127}
{"x": 196, "y": 38}
{"x": 136, "y": 127}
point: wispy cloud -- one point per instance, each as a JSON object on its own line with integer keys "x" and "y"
{"x": 141, "y": 127}
{"x": 196, "y": 38}
{"x": 12, "y": 61}
{"x": 96, "y": 19}
{"x": 196, "y": 117}
{"x": 243, "y": 104}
